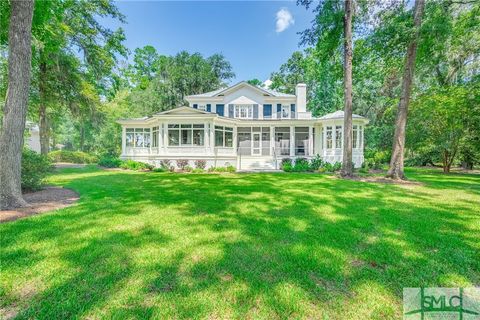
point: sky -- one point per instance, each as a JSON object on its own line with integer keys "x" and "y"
{"x": 256, "y": 37}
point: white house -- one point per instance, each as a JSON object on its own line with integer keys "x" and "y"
{"x": 32, "y": 140}
{"x": 246, "y": 126}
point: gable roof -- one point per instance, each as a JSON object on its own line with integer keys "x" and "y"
{"x": 217, "y": 92}
{"x": 183, "y": 108}
{"x": 339, "y": 115}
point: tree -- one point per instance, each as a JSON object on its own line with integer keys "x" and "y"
{"x": 15, "y": 110}
{"x": 61, "y": 28}
{"x": 397, "y": 160}
{"x": 445, "y": 119}
{"x": 347, "y": 167}
{"x": 255, "y": 82}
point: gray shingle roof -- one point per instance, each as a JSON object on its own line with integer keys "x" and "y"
{"x": 215, "y": 92}
{"x": 339, "y": 115}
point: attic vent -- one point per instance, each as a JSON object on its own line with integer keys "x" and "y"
{"x": 266, "y": 95}
{"x": 220, "y": 95}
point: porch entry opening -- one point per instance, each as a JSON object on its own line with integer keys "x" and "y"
{"x": 253, "y": 141}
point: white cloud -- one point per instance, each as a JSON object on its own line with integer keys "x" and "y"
{"x": 284, "y": 20}
{"x": 267, "y": 83}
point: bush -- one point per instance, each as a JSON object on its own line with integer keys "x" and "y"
{"x": 181, "y": 164}
{"x": 301, "y": 165}
{"x": 286, "y": 162}
{"x": 187, "y": 169}
{"x": 160, "y": 169}
{"x": 35, "y": 168}
{"x": 135, "y": 165}
{"x": 200, "y": 164}
{"x": 72, "y": 156}
{"x": 211, "y": 169}
{"x": 376, "y": 159}
{"x": 316, "y": 163}
{"x": 336, "y": 166}
{"x": 231, "y": 169}
{"x": 328, "y": 167}
{"x": 110, "y": 162}
{"x": 165, "y": 163}
{"x": 198, "y": 170}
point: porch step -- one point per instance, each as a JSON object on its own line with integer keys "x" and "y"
{"x": 257, "y": 163}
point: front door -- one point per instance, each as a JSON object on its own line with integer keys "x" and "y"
{"x": 256, "y": 144}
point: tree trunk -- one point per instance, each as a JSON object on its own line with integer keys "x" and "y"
{"x": 396, "y": 162}
{"x": 347, "y": 168}
{"x": 42, "y": 110}
{"x": 15, "y": 110}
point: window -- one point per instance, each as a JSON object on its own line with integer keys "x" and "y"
{"x": 355, "y": 136}
{"x": 265, "y": 141}
{"x": 301, "y": 141}
{"x": 360, "y": 131}
{"x": 338, "y": 137}
{"x": 267, "y": 111}
{"x": 155, "y": 137}
{"x": 282, "y": 140}
{"x": 285, "y": 111}
{"x": 138, "y": 137}
{"x": 243, "y": 111}
{"x": 201, "y": 107}
{"x": 223, "y": 136}
{"x": 186, "y": 135}
{"x": 329, "y": 137}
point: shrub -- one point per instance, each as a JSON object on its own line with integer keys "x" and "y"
{"x": 72, "y": 156}
{"x": 220, "y": 169}
{"x": 160, "y": 169}
{"x": 328, "y": 167}
{"x": 198, "y": 170}
{"x": 230, "y": 169}
{"x": 301, "y": 165}
{"x": 376, "y": 159}
{"x": 35, "y": 168}
{"x": 171, "y": 169}
{"x": 187, "y": 169}
{"x": 316, "y": 163}
{"x": 109, "y": 162}
{"x": 286, "y": 162}
{"x": 322, "y": 170}
{"x": 182, "y": 163}
{"x": 135, "y": 165}
{"x": 287, "y": 167}
{"x": 211, "y": 169}
{"x": 200, "y": 164}
{"x": 336, "y": 166}
{"x": 165, "y": 163}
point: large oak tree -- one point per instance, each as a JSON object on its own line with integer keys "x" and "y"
{"x": 15, "y": 110}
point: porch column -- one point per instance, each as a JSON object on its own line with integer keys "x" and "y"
{"x": 124, "y": 140}
{"x": 310, "y": 140}
{"x": 165, "y": 137}
{"x": 212, "y": 138}
{"x": 324, "y": 147}
{"x": 235, "y": 140}
{"x": 292, "y": 141}
{"x": 272, "y": 140}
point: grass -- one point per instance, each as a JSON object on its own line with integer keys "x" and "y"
{"x": 265, "y": 246}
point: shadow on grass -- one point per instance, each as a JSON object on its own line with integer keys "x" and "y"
{"x": 142, "y": 245}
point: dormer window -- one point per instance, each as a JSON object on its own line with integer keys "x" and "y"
{"x": 286, "y": 112}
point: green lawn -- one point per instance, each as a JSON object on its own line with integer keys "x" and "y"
{"x": 263, "y": 246}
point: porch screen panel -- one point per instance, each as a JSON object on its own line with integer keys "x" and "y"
{"x": 244, "y": 137}
{"x": 329, "y": 137}
{"x": 301, "y": 141}
{"x": 265, "y": 141}
{"x": 130, "y": 137}
{"x": 282, "y": 141}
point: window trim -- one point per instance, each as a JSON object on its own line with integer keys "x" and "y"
{"x": 180, "y": 127}
{"x": 237, "y": 110}
{"x": 224, "y": 130}
{"x": 144, "y": 131}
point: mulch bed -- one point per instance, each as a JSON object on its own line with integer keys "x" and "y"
{"x": 47, "y": 199}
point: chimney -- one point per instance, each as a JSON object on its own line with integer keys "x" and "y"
{"x": 301, "y": 93}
